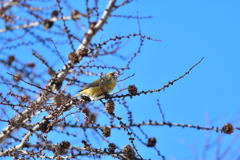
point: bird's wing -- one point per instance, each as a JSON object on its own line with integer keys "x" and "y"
{"x": 95, "y": 83}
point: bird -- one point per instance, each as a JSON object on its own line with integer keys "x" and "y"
{"x": 99, "y": 88}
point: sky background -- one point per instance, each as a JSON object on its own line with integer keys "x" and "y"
{"x": 208, "y": 96}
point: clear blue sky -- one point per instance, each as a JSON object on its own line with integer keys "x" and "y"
{"x": 208, "y": 96}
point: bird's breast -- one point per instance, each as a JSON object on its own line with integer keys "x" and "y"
{"x": 108, "y": 87}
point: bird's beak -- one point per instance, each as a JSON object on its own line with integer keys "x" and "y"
{"x": 115, "y": 75}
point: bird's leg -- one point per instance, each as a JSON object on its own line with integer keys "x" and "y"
{"x": 106, "y": 95}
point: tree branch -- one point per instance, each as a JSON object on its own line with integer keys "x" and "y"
{"x": 59, "y": 77}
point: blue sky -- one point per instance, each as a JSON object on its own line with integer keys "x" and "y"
{"x": 189, "y": 30}
{"x": 208, "y": 96}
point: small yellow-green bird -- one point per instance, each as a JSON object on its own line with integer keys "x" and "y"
{"x": 100, "y": 87}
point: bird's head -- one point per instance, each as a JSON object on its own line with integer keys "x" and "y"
{"x": 111, "y": 75}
